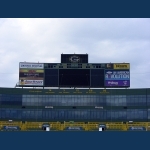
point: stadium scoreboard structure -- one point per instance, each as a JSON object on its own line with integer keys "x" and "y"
{"x": 74, "y": 71}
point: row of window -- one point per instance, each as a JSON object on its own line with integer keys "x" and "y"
{"x": 70, "y": 100}
{"x": 129, "y": 115}
{"x": 80, "y": 102}
{"x": 12, "y": 96}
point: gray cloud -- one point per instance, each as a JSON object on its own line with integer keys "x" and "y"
{"x": 105, "y": 40}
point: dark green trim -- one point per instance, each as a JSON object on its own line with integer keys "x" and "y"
{"x": 74, "y": 91}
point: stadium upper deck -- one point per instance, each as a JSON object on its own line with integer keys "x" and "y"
{"x": 75, "y": 104}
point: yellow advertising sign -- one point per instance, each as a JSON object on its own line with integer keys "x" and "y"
{"x": 121, "y": 66}
{"x": 31, "y": 71}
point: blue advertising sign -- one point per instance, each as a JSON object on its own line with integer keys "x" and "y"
{"x": 11, "y": 128}
{"x": 74, "y": 128}
{"x": 137, "y": 129}
{"x": 117, "y": 75}
{"x": 117, "y": 78}
{"x": 117, "y": 83}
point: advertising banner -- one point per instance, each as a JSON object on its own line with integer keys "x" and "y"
{"x": 122, "y": 66}
{"x": 117, "y": 75}
{"x": 137, "y": 129}
{"x": 30, "y": 74}
{"x": 31, "y": 77}
{"x": 117, "y": 83}
{"x": 31, "y": 65}
{"x": 11, "y": 128}
{"x": 32, "y": 82}
{"x": 74, "y": 128}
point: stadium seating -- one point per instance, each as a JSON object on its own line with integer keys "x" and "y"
{"x": 86, "y": 126}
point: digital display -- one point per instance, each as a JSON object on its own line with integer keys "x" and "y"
{"x": 74, "y": 77}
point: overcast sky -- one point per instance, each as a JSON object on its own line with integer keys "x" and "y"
{"x": 105, "y": 40}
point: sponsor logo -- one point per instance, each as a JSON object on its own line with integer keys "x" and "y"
{"x": 98, "y": 107}
{"x": 48, "y": 106}
{"x": 112, "y": 83}
{"x": 28, "y": 65}
{"x": 117, "y": 82}
{"x": 120, "y": 76}
{"x": 137, "y": 128}
{"x": 11, "y": 127}
{"x": 117, "y": 75}
{"x": 8, "y": 127}
{"x": 121, "y": 66}
{"x": 31, "y": 82}
{"x": 27, "y": 70}
{"x": 74, "y": 128}
{"x": 74, "y": 59}
{"x": 125, "y": 82}
{"x": 102, "y": 125}
{"x": 109, "y": 72}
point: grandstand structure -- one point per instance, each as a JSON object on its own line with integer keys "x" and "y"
{"x": 74, "y": 95}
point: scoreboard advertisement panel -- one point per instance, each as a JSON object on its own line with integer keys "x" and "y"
{"x": 116, "y": 78}
{"x": 117, "y": 75}
{"x": 122, "y": 66}
{"x": 31, "y": 74}
{"x": 119, "y": 83}
{"x": 31, "y": 65}
{"x": 31, "y": 77}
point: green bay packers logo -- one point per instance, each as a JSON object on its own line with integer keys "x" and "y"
{"x": 74, "y": 59}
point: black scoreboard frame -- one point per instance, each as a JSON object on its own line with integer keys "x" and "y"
{"x": 75, "y": 73}
{"x": 94, "y": 75}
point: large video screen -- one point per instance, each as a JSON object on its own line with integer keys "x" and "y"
{"x": 74, "y": 77}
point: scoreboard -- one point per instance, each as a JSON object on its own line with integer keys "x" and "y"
{"x": 74, "y": 71}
